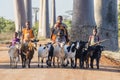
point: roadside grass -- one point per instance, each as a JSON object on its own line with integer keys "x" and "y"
{"x": 5, "y": 38}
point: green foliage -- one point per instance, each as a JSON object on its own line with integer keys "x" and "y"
{"x": 6, "y": 25}
{"x": 35, "y": 28}
{"x": 68, "y": 19}
{"x": 68, "y": 23}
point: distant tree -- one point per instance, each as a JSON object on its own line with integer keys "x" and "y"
{"x": 35, "y": 29}
{"x": 6, "y": 25}
{"x": 68, "y": 22}
{"x": 70, "y": 12}
{"x": 2, "y": 24}
{"x": 67, "y": 19}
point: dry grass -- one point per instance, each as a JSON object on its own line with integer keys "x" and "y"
{"x": 6, "y": 36}
{"x": 112, "y": 55}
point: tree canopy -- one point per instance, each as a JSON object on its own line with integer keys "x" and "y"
{"x": 6, "y": 25}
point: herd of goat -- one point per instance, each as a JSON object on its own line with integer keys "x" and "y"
{"x": 57, "y": 53}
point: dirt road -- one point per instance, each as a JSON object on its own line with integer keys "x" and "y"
{"x": 109, "y": 70}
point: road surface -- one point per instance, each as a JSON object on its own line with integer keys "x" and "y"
{"x": 109, "y": 70}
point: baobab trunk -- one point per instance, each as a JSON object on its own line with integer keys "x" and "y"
{"x": 19, "y": 15}
{"x": 53, "y": 17}
{"x": 28, "y": 10}
{"x": 83, "y": 20}
{"x": 106, "y": 20}
{"x": 35, "y": 10}
{"x": 40, "y": 19}
{"x": 45, "y": 20}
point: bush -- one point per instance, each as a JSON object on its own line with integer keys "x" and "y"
{"x": 35, "y": 29}
{"x": 6, "y": 25}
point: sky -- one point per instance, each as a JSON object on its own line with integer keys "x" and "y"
{"x": 7, "y": 8}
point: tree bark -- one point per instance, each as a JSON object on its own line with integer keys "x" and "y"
{"x": 53, "y": 17}
{"x": 19, "y": 15}
{"x": 40, "y": 19}
{"x": 106, "y": 20}
{"x": 83, "y": 20}
{"x": 45, "y": 25}
{"x": 28, "y": 10}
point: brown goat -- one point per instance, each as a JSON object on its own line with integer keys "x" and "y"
{"x": 27, "y": 52}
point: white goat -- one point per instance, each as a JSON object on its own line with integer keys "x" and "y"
{"x": 42, "y": 53}
{"x": 14, "y": 55}
{"x": 59, "y": 53}
{"x": 70, "y": 52}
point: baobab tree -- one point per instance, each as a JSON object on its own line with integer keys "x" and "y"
{"x": 19, "y": 14}
{"x": 83, "y": 19}
{"x": 40, "y": 19}
{"x": 44, "y": 19}
{"x": 28, "y": 11}
{"x": 106, "y": 20}
{"x": 53, "y": 15}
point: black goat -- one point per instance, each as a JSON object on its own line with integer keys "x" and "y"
{"x": 97, "y": 50}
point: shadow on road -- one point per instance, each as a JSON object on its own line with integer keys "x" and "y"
{"x": 34, "y": 66}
